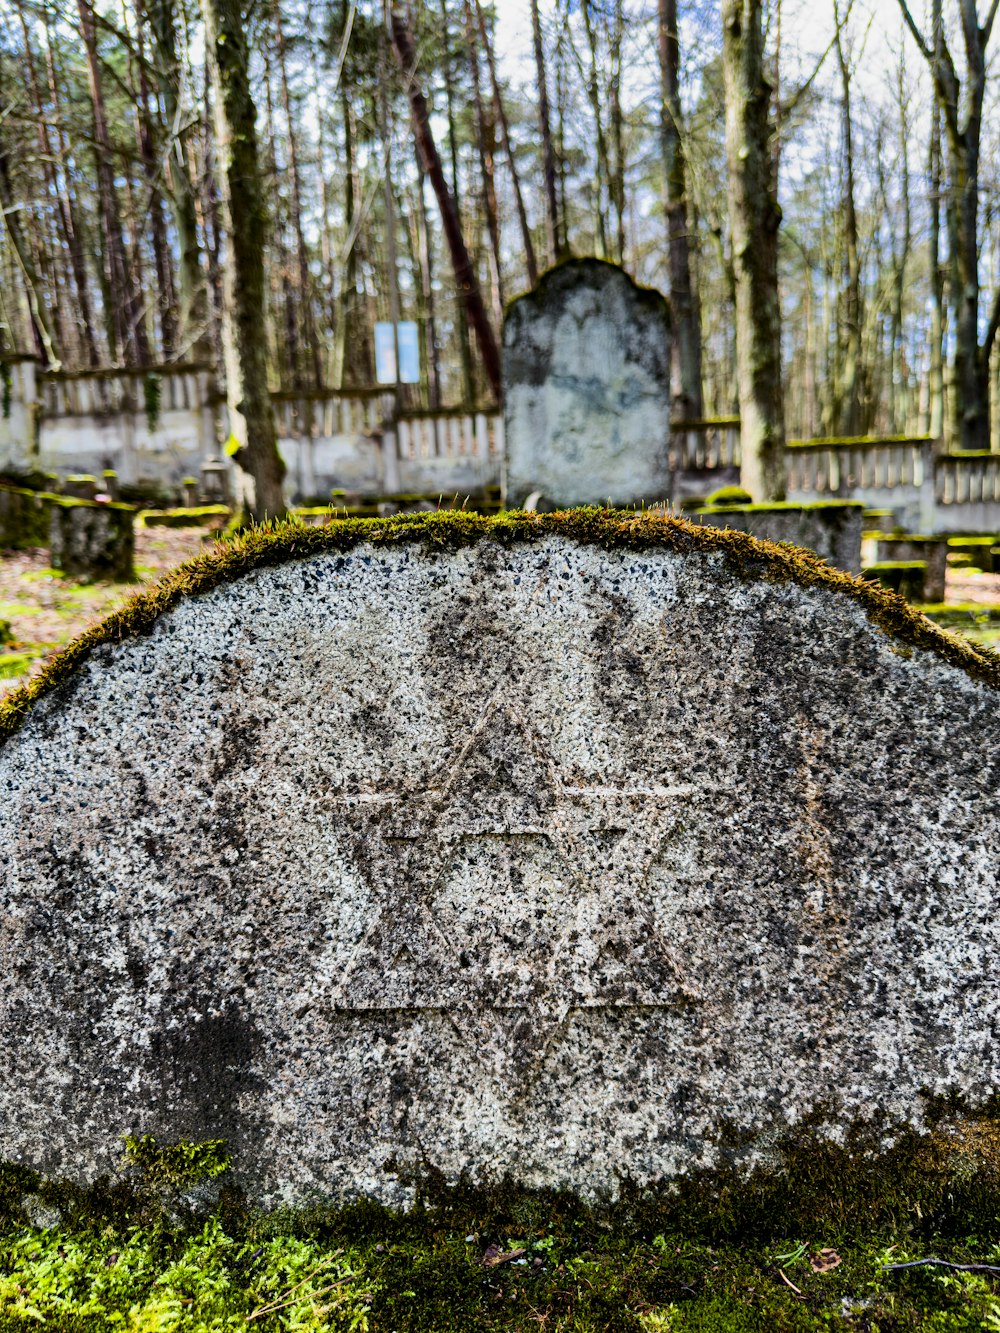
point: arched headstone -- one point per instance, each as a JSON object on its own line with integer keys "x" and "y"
{"x": 586, "y": 389}
{"x": 571, "y": 848}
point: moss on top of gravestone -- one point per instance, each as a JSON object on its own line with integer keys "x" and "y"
{"x": 631, "y": 530}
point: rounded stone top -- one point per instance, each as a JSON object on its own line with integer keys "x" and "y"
{"x": 749, "y": 557}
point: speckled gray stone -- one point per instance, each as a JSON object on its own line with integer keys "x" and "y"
{"x": 586, "y": 389}
{"x": 569, "y": 863}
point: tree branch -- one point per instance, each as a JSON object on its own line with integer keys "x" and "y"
{"x": 918, "y": 37}
{"x": 991, "y": 328}
{"x": 788, "y": 107}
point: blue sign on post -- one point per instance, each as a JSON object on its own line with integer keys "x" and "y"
{"x": 408, "y": 341}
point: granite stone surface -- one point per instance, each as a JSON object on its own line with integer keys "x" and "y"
{"x": 546, "y": 860}
{"x": 586, "y": 389}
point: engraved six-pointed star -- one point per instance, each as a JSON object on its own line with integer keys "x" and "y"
{"x": 506, "y": 898}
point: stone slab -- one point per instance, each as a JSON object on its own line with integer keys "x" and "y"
{"x": 830, "y": 528}
{"x": 586, "y": 390}
{"x": 572, "y": 863}
{"x": 92, "y": 541}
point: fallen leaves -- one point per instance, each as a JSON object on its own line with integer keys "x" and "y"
{"x": 824, "y": 1261}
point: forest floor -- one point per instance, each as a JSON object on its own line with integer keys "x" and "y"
{"x": 41, "y": 611}
{"x": 541, "y": 1265}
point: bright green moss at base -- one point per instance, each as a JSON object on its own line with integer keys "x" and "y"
{"x": 266, "y": 546}
{"x": 880, "y": 566}
{"x": 716, "y": 1254}
{"x": 196, "y": 517}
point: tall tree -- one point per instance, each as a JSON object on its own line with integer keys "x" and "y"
{"x": 244, "y": 214}
{"x": 126, "y": 313}
{"x": 962, "y": 117}
{"x": 754, "y": 219}
{"x": 466, "y": 278}
{"x": 683, "y": 293}
{"x": 545, "y": 127}
{"x": 515, "y": 179}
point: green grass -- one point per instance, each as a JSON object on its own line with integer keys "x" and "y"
{"x": 17, "y": 663}
{"x": 564, "y": 1268}
{"x": 721, "y": 1253}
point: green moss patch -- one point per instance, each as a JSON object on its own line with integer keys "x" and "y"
{"x": 729, "y": 495}
{"x": 197, "y": 517}
{"x": 784, "y": 506}
{"x": 802, "y": 1249}
{"x": 269, "y": 545}
{"x": 861, "y": 442}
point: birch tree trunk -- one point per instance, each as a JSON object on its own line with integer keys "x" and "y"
{"x": 754, "y": 217}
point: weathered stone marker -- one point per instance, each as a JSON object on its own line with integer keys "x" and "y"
{"x": 586, "y": 389}
{"x": 576, "y": 849}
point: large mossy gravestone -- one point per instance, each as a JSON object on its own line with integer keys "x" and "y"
{"x": 579, "y": 849}
{"x": 586, "y": 389}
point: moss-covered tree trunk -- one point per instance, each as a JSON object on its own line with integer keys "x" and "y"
{"x": 754, "y": 220}
{"x": 244, "y": 219}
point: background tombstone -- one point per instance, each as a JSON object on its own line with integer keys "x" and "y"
{"x": 581, "y": 849}
{"x": 586, "y": 389}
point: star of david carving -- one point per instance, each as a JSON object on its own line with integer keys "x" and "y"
{"x": 505, "y": 898}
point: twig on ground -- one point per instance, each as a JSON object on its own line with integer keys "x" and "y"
{"x": 789, "y": 1283}
{"x": 943, "y": 1263}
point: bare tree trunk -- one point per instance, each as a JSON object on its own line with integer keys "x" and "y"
{"x": 935, "y": 424}
{"x": 42, "y": 327}
{"x": 688, "y": 402}
{"x": 754, "y": 221}
{"x": 349, "y": 278}
{"x": 55, "y": 167}
{"x": 150, "y": 166}
{"x": 305, "y": 284}
{"x": 466, "y": 278}
{"x": 961, "y": 112}
{"x": 461, "y": 320}
{"x": 849, "y": 394}
{"x": 901, "y": 395}
{"x": 600, "y": 142}
{"x": 192, "y": 334}
{"x": 127, "y": 300}
{"x": 501, "y": 115}
{"x": 431, "y": 354}
{"x": 245, "y": 219}
{"x": 616, "y": 174}
{"x": 544, "y": 125}
{"x": 486, "y": 141}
